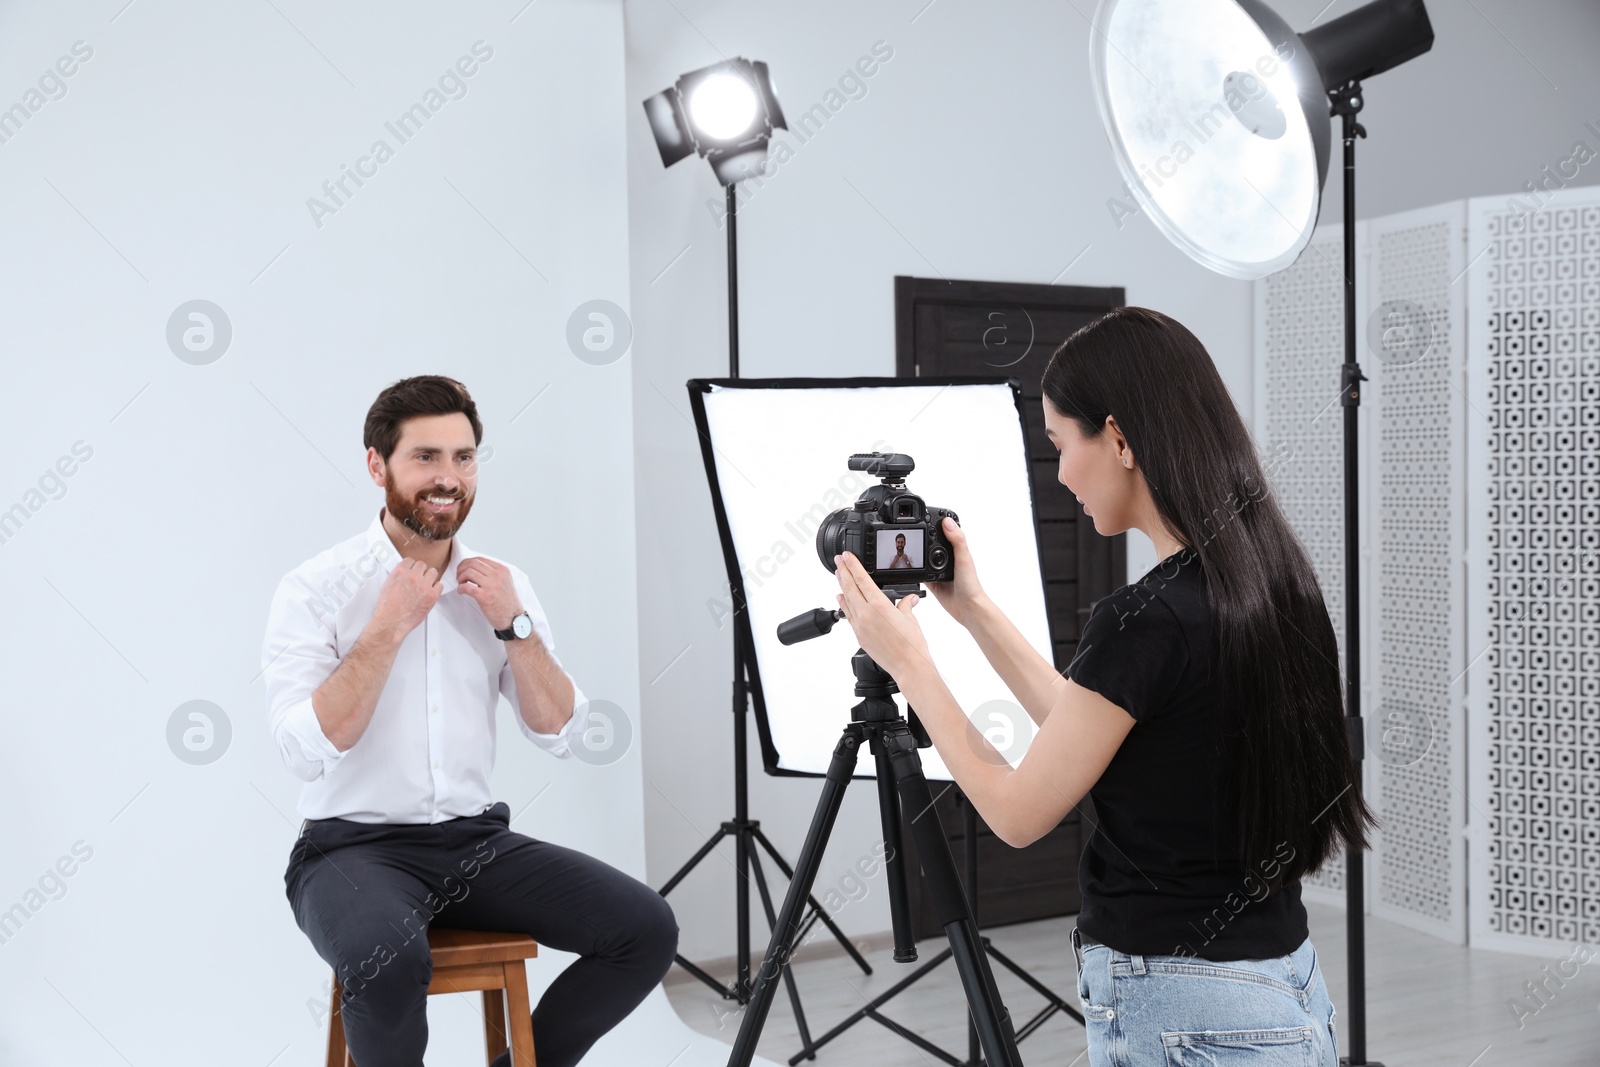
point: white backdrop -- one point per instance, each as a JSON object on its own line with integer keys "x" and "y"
{"x": 149, "y": 503}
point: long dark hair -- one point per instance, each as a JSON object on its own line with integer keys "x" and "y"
{"x": 1287, "y": 769}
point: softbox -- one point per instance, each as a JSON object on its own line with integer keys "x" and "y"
{"x": 775, "y": 452}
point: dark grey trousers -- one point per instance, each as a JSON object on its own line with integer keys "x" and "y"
{"x": 366, "y": 894}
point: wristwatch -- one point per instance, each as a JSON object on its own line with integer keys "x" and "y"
{"x": 521, "y": 627}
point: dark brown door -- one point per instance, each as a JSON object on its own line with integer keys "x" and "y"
{"x": 1009, "y": 329}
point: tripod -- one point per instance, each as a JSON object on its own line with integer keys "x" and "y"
{"x": 1053, "y": 1002}
{"x": 876, "y": 722}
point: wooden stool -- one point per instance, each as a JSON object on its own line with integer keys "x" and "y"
{"x": 464, "y": 960}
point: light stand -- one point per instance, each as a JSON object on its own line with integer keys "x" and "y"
{"x": 740, "y": 92}
{"x": 1284, "y": 148}
{"x": 1346, "y": 103}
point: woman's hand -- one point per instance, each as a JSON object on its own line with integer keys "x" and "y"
{"x": 884, "y": 630}
{"x": 957, "y": 596}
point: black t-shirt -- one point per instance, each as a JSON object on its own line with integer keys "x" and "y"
{"x": 1160, "y": 874}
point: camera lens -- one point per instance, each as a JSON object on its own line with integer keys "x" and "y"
{"x": 830, "y": 538}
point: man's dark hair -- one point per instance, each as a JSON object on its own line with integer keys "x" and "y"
{"x": 426, "y": 394}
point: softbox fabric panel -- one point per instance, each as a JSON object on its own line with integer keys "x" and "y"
{"x": 776, "y": 453}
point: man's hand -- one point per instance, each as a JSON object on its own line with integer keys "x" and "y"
{"x": 408, "y": 594}
{"x": 490, "y": 584}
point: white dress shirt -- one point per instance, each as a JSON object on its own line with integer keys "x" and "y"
{"x": 428, "y": 750}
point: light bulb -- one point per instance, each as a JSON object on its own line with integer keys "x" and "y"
{"x": 723, "y": 106}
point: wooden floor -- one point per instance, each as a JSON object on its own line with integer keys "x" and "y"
{"x": 1428, "y": 1004}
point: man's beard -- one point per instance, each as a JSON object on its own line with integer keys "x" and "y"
{"x": 415, "y": 516}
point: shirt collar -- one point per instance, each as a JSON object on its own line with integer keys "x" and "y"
{"x": 382, "y": 548}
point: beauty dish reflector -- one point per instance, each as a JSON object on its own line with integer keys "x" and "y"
{"x": 1218, "y": 123}
{"x": 1217, "y": 113}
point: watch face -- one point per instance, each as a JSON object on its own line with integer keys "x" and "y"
{"x": 522, "y": 626}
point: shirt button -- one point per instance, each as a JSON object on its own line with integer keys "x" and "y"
{"x": 435, "y": 708}
{"x": 435, "y": 764}
{"x": 435, "y": 652}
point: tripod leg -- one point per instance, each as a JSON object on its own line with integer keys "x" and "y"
{"x": 894, "y": 862}
{"x": 821, "y": 912}
{"x": 788, "y": 972}
{"x": 783, "y": 931}
{"x": 989, "y": 1014}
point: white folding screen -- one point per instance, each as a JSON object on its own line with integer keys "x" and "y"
{"x": 1411, "y": 347}
{"x": 1480, "y": 335}
{"x": 1299, "y": 430}
{"x": 1533, "y": 691}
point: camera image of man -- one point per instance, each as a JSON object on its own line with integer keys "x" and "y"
{"x": 385, "y": 658}
{"x": 898, "y": 550}
{"x": 900, "y": 561}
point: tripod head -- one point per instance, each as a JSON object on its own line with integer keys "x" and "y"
{"x": 819, "y": 621}
{"x": 873, "y": 683}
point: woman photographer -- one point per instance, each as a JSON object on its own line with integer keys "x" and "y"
{"x": 1202, "y": 713}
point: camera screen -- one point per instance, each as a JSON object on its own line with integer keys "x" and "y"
{"x": 899, "y": 549}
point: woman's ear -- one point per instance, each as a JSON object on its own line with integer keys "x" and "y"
{"x": 1118, "y": 442}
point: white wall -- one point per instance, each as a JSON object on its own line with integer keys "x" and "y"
{"x": 177, "y": 166}
{"x": 976, "y": 152}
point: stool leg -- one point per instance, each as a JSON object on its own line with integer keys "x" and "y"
{"x": 338, "y": 1053}
{"x": 521, "y": 1022}
{"x": 494, "y": 1021}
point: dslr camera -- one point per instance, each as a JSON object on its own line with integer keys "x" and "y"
{"x": 899, "y": 539}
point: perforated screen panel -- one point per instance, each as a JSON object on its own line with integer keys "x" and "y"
{"x": 1299, "y": 347}
{"x": 1533, "y": 690}
{"x": 1411, "y": 350}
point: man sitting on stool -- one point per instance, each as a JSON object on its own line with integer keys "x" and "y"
{"x": 385, "y": 658}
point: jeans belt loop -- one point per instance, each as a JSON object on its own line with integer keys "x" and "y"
{"x": 1138, "y": 964}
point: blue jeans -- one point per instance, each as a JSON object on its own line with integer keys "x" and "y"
{"x": 1182, "y": 1011}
